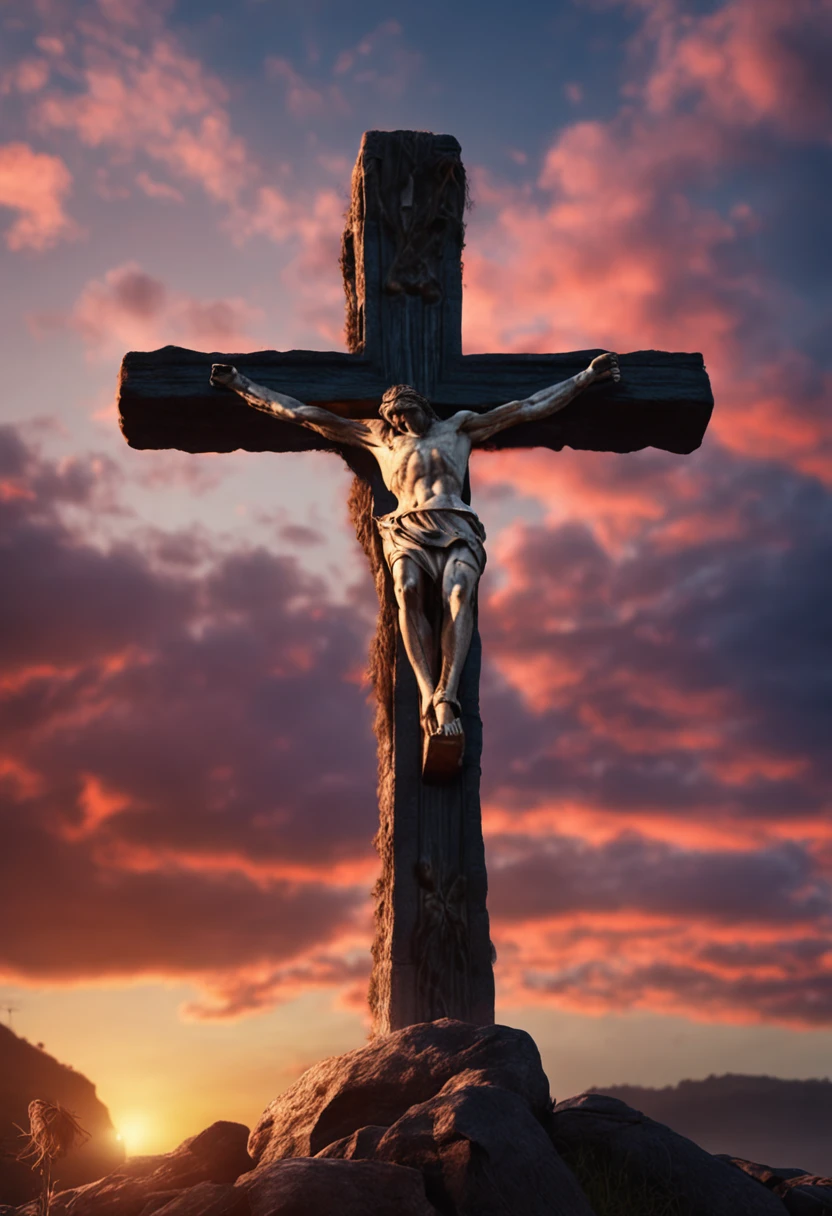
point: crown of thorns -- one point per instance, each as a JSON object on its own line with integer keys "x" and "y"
{"x": 402, "y": 397}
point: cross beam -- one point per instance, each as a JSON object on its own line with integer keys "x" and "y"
{"x": 401, "y": 260}
{"x": 663, "y": 400}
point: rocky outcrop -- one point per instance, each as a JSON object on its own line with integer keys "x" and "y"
{"x": 612, "y": 1147}
{"x": 379, "y": 1082}
{"x": 755, "y": 1117}
{"x": 218, "y": 1154}
{"x": 143, "y": 1184}
{"x": 802, "y": 1194}
{"x": 481, "y": 1150}
{"x": 307, "y": 1187}
{"x": 28, "y": 1072}
{"x": 807, "y": 1195}
{"x": 441, "y": 1119}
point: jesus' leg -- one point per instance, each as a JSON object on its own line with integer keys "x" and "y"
{"x": 459, "y": 586}
{"x": 409, "y": 586}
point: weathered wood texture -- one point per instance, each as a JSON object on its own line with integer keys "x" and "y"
{"x": 166, "y": 401}
{"x": 432, "y": 955}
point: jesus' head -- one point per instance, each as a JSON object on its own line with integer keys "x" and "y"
{"x": 406, "y": 410}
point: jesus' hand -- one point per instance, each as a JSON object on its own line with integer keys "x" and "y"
{"x": 605, "y": 367}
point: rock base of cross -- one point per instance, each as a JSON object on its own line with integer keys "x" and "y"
{"x": 442, "y": 1119}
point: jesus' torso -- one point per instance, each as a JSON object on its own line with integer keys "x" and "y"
{"x": 425, "y": 472}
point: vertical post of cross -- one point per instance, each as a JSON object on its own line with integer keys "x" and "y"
{"x": 402, "y": 265}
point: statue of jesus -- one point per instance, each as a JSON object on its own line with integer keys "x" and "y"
{"x": 433, "y": 541}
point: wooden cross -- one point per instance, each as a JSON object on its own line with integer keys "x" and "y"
{"x": 401, "y": 261}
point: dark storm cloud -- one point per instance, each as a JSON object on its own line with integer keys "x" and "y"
{"x": 681, "y": 659}
{"x": 696, "y": 991}
{"x": 559, "y": 876}
{"x": 186, "y": 757}
{"x": 657, "y": 792}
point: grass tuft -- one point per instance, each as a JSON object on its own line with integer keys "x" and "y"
{"x": 53, "y": 1132}
{"x": 613, "y": 1190}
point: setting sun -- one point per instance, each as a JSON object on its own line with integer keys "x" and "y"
{"x": 134, "y": 1132}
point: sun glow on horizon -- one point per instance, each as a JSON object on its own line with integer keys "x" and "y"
{"x": 134, "y": 1132}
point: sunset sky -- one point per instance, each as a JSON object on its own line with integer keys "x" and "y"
{"x": 187, "y": 768}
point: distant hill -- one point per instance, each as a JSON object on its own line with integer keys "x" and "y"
{"x": 780, "y": 1123}
{"x": 28, "y": 1072}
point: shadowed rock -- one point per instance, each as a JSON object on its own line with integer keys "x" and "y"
{"x": 316, "y": 1187}
{"x": 360, "y": 1146}
{"x": 803, "y": 1194}
{"x": 216, "y": 1155}
{"x": 142, "y": 1185}
{"x": 443, "y": 1119}
{"x": 376, "y": 1084}
{"x": 610, "y": 1145}
{"x": 750, "y": 1117}
{"x": 483, "y": 1152}
{"x": 807, "y": 1195}
{"x": 205, "y": 1199}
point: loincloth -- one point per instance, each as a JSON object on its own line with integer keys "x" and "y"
{"x": 426, "y": 536}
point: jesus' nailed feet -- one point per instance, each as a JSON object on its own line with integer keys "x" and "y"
{"x": 443, "y": 743}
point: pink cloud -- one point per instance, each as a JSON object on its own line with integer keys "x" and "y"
{"x": 598, "y": 965}
{"x": 34, "y": 184}
{"x": 27, "y": 76}
{"x": 156, "y": 189}
{"x": 130, "y": 309}
{"x": 615, "y": 250}
{"x": 600, "y": 263}
{"x": 160, "y": 103}
{"x": 738, "y": 937}
{"x": 749, "y": 61}
{"x": 343, "y": 968}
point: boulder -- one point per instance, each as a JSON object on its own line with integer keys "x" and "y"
{"x": 158, "y": 1199}
{"x": 216, "y": 1155}
{"x": 803, "y": 1194}
{"x": 143, "y": 1185}
{"x": 205, "y": 1199}
{"x": 806, "y": 1195}
{"x": 360, "y": 1146}
{"x": 376, "y": 1084}
{"x": 114, "y": 1195}
{"x": 769, "y": 1175}
{"x": 322, "y": 1187}
{"x": 759, "y": 1118}
{"x": 614, "y": 1149}
{"x": 483, "y": 1153}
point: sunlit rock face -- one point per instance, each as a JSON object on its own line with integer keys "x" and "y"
{"x": 379, "y": 1083}
{"x": 28, "y": 1072}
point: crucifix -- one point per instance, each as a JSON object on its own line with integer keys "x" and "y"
{"x": 403, "y": 408}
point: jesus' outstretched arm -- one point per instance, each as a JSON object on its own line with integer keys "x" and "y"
{"x": 288, "y": 409}
{"x": 548, "y": 401}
